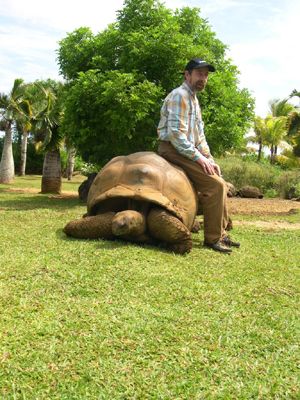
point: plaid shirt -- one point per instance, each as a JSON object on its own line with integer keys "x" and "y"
{"x": 181, "y": 124}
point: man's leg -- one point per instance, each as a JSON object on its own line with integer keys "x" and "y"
{"x": 213, "y": 192}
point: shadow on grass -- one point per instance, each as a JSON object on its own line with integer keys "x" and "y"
{"x": 17, "y": 201}
{"x": 112, "y": 244}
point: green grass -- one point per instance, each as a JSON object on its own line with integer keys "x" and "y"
{"x": 88, "y": 319}
{"x": 34, "y": 182}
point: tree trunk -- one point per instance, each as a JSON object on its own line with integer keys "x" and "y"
{"x": 70, "y": 163}
{"x": 259, "y": 151}
{"x": 23, "y": 153}
{"x": 272, "y": 154}
{"x": 7, "y": 166}
{"x": 51, "y": 179}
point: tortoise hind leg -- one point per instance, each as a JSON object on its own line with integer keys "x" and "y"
{"x": 165, "y": 227}
{"x": 94, "y": 227}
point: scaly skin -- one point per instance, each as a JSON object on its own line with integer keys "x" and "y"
{"x": 94, "y": 227}
{"x": 167, "y": 228}
{"x": 131, "y": 225}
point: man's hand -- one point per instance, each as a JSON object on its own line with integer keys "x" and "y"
{"x": 207, "y": 167}
{"x": 217, "y": 169}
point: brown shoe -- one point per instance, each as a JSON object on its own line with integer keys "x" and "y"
{"x": 228, "y": 242}
{"x": 218, "y": 246}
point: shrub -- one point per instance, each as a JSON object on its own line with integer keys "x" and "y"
{"x": 34, "y": 161}
{"x": 88, "y": 168}
{"x": 242, "y": 172}
{"x": 271, "y": 193}
{"x": 288, "y": 184}
{"x": 287, "y": 160}
{"x": 78, "y": 165}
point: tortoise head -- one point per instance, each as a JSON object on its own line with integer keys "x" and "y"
{"x": 128, "y": 223}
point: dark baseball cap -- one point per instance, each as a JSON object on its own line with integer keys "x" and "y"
{"x": 198, "y": 63}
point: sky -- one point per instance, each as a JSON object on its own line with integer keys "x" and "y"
{"x": 262, "y": 38}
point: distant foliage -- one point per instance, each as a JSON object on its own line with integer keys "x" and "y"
{"x": 289, "y": 184}
{"x": 242, "y": 172}
{"x": 34, "y": 163}
{"x": 272, "y": 180}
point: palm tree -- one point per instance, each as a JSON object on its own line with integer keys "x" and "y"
{"x": 34, "y": 98}
{"x": 48, "y": 136}
{"x": 276, "y": 130}
{"x": 259, "y": 136}
{"x": 12, "y": 108}
{"x": 294, "y": 126}
{"x": 280, "y": 108}
{"x": 25, "y": 123}
{"x": 71, "y": 151}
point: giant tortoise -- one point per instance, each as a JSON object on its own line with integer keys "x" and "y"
{"x": 142, "y": 198}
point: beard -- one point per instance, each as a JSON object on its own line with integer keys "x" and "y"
{"x": 199, "y": 85}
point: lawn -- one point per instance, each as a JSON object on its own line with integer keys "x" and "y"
{"x": 92, "y": 319}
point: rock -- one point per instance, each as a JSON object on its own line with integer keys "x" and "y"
{"x": 231, "y": 189}
{"x": 198, "y": 225}
{"x": 84, "y": 188}
{"x": 291, "y": 193}
{"x": 250, "y": 192}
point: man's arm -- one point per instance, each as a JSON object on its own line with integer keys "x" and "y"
{"x": 203, "y": 148}
{"x": 178, "y": 126}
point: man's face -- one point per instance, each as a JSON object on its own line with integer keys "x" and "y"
{"x": 197, "y": 79}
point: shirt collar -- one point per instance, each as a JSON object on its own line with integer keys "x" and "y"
{"x": 186, "y": 86}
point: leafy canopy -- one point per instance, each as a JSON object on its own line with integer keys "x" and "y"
{"x": 118, "y": 78}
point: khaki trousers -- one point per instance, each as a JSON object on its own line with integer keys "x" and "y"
{"x": 212, "y": 192}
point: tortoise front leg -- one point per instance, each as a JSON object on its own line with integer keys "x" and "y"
{"x": 165, "y": 227}
{"x": 94, "y": 227}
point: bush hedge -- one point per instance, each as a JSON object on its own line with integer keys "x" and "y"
{"x": 270, "y": 179}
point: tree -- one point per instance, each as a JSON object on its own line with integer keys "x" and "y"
{"x": 260, "y": 134}
{"x": 24, "y": 122}
{"x": 48, "y": 136}
{"x": 13, "y": 107}
{"x": 270, "y": 132}
{"x": 118, "y": 78}
{"x": 71, "y": 154}
{"x": 111, "y": 110}
{"x": 294, "y": 126}
{"x": 276, "y": 129}
{"x": 280, "y": 108}
{"x": 283, "y": 108}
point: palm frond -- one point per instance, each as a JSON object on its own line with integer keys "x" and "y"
{"x": 293, "y": 124}
{"x": 4, "y": 100}
{"x": 295, "y": 93}
{"x": 279, "y": 108}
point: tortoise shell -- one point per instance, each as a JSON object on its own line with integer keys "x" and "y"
{"x": 143, "y": 177}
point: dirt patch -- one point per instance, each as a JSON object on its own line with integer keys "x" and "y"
{"x": 262, "y": 207}
{"x": 269, "y": 225}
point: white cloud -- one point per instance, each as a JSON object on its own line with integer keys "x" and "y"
{"x": 262, "y": 36}
{"x": 28, "y": 53}
{"x": 269, "y": 65}
{"x": 63, "y": 15}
